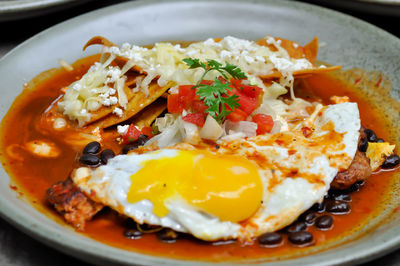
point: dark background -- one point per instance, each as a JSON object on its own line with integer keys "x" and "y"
{"x": 18, "y": 249}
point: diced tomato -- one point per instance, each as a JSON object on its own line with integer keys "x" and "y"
{"x": 207, "y": 82}
{"x": 237, "y": 115}
{"x": 174, "y": 105}
{"x": 188, "y": 100}
{"x": 186, "y": 95}
{"x": 199, "y": 106}
{"x": 236, "y": 83}
{"x": 131, "y": 134}
{"x": 264, "y": 123}
{"x": 247, "y": 104}
{"x": 197, "y": 119}
{"x": 148, "y": 131}
{"x": 251, "y": 91}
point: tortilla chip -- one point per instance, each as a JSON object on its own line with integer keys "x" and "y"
{"x": 98, "y": 40}
{"x": 311, "y": 50}
{"x": 294, "y": 49}
{"x": 302, "y": 73}
{"x": 134, "y": 106}
{"x": 146, "y": 117}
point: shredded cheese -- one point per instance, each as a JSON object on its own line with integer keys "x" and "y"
{"x": 103, "y": 84}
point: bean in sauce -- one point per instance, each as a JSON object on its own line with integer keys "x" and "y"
{"x": 391, "y": 161}
{"x": 301, "y": 238}
{"x": 324, "y": 222}
{"x": 89, "y": 160}
{"x": 363, "y": 146}
{"x": 132, "y": 234}
{"x": 270, "y": 239}
{"x": 106, "y": 155}
{"x": 92, "y": 148}
{"x": 297, "y": 227}
{"x": 337, "y": 207}
{"x": 340, "y": 195}
{"x": 371, "y": 136}
{"x": 319, "y": 207}
{"x": 309, "y": 217}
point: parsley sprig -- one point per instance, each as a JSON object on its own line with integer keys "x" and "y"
{"x": 216, "y": 95}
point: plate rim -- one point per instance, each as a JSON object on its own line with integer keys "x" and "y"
{"x": 44, "y": 235}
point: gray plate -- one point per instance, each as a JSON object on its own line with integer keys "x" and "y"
{"x": 350, "y": 42}
{"x": 19, "y": 9}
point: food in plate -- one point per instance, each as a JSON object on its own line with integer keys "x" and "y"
{"x": 207, "y": 139}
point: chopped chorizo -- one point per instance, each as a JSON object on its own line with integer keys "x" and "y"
{"x": 359, "y": 169}
{"x": 72, "y": 203}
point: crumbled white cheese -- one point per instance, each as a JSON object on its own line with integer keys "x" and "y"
{"x": 110, "y": 101}
{"x": 122, "y": 129}
{"x": 290, "y": 65}
{"x": 118, "y": 111}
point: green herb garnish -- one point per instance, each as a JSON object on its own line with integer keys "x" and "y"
{"x": 216, "y": 96}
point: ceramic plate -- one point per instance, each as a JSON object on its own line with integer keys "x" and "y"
{"x": 349, "y": 42}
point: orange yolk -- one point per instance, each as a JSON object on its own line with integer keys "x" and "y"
{"x": 228, "y": 187}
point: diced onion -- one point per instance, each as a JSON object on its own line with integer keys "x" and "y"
{"x": 211, "y": 129}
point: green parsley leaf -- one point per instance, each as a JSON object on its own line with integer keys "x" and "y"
{"x": 215, "y": 96}
{"x": 194, "y": 63}
{"x": 234, "y": 71}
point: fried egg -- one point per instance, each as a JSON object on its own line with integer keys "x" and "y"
{"x": 246, "y": 187}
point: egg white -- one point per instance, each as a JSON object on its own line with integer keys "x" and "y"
{"x": 283, "y": 200}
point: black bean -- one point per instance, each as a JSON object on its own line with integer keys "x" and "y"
{"x": 92, "y": 148}
{"x": 167, "y": 235}
{"x": 371, "y": 136}
{"x": 380, "y": 140}
{"x": 318, "y": 207}
{"x": 296, "y": 227}
{"x": 219, "y": 242}
{"x": 128, "y": 148}
{"x": 309, "y": 217}
{"x": 391, "y": 161}
{"x": 363, "y": 145}
{"x": 142, "y": 139}
{"x": 89, "y": 159}
{"x": 356, "y": 186}
{"x": 270, "y": 239}
{"x": 300, "y": 238}
{"x": 342, "y": 197}
{"x": 324, "y": 222}
{"x": 106, "y": 155}
{"x": 360, "y": 183}
{"x": 147, "y": 228}
{"x": 337, "y": 207}
{"x": 132, "y": 234}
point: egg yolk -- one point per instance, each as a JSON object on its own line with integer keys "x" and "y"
{"x": 226, "y": 186}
